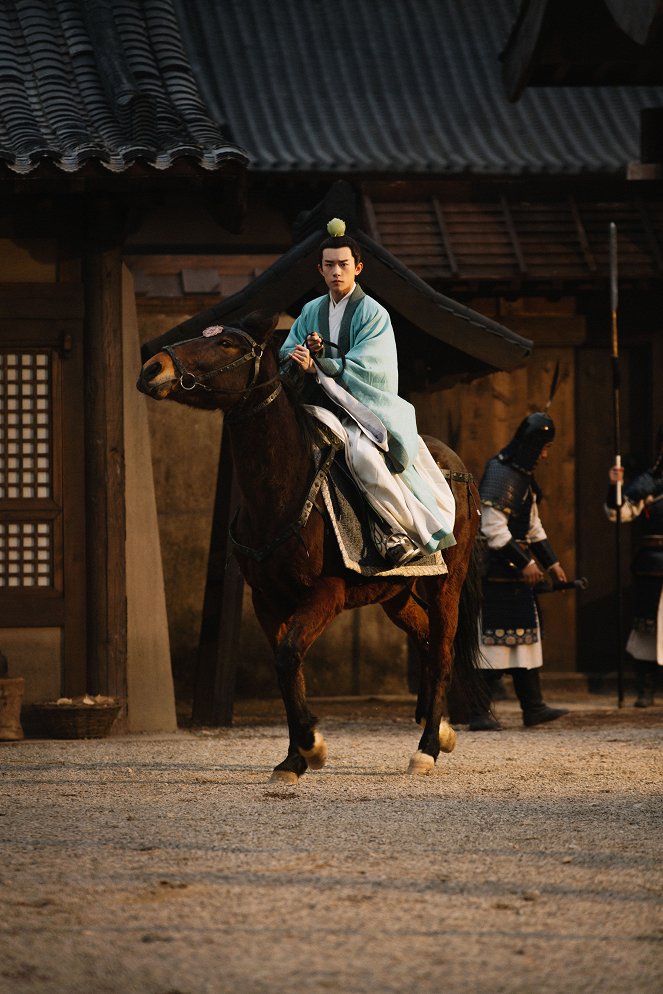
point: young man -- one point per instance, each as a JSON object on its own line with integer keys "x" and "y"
{"x": 344, "y": 344}
{"x": 643, "y": 498}
{"x": 518, "y": 551}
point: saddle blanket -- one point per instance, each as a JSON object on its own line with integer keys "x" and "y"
{"x": 349, "y": 517}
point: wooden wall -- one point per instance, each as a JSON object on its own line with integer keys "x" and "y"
{"x": 185, "y": 450}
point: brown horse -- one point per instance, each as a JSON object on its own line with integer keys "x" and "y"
{"x": 298, "y": 582}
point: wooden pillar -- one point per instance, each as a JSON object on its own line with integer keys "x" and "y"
{"x": 214, "y": 689}
{"x": 104, "y": 473}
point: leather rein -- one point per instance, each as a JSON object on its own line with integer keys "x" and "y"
{"x": 189, "y": 381}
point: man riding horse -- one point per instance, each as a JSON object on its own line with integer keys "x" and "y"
{"x": 281, "y": 536}
{"x": 345, "y": 343}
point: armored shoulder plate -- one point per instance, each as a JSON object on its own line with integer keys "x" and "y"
{"x": 643, "y": 486}
{"x": 652, "y": 519}
{"x": 503, "y": 486}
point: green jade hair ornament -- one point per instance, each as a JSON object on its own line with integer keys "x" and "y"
{"x": 336, "y": 227}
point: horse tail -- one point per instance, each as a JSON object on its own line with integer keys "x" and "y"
{"x": 467, "y": 692}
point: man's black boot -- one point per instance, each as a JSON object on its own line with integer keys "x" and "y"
{"x": 527, "y": 685}
{"x": 483, "y": 723}
{"x": 646, "y": 671}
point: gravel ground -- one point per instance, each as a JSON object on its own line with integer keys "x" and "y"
{"x": 529, "y": 861}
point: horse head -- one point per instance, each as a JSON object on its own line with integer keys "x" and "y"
{"x": 219, "y": 369}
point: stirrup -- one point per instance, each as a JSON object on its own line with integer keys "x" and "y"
{"x": 395, "y": 547}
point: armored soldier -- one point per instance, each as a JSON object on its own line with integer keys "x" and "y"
{"x": 517, "y": 554}
{"x": 643, "y": 499}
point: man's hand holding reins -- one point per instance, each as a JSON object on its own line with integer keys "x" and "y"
{"x": 313, "y": 343}
{"x": 302, "y": 356}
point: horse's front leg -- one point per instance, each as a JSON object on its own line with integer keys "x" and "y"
{"x": 307, "y": 748}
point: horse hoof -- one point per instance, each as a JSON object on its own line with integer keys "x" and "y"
{"x": 284, "y": 777}
{"x": 447, "y": 737}
{"x": 316, "y": 757}
{"x": 420, "y": 763}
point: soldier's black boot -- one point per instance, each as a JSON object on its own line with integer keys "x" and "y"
{"x": 527, "y": 685}
{"x": 498, "y": 690}
{"x": 645, "y": 671}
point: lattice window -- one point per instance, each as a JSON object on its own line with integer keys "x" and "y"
{"x": 26, "y": 465}
{"x": 25, "y": 403}
{"x": 26, "y": 554}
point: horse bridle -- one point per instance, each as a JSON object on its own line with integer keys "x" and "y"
{"x": 189, "y": 381}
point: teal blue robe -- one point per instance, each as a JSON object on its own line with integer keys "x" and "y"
{"x": 369, "y": 371}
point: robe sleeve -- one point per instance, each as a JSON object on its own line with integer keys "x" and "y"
{"x": 535, "y": 532}
{"x": 495, "y": 527}
{"x": 371, "y": 359}
{"x": 370, "y": 372}
{"x": 296, "y": 335}
{"x": 629, "y": 511}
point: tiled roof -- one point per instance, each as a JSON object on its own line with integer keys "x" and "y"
{"x": 394, "y": 87}
{"x": 104, "y": 80}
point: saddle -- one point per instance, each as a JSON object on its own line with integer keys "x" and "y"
{"x": 362, "y": 536}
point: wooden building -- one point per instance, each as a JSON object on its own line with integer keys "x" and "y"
{"x": 503, "y": 206}
{"x": 129, "y": 201}
{"x": 101, "y": 117}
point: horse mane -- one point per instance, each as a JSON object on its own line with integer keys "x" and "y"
{"x": 262, "y": 324}
{"x": 293, "y": 384}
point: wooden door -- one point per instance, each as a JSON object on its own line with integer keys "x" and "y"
{"x": 42, "y": 512}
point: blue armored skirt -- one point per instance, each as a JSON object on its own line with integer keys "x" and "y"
{"x": 508, "y": 613}
{"x": 646, "y": 594}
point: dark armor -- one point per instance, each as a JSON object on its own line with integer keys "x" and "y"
{"x": 647, "y": 566}
{"x": 648, "y": 559}
{"x": 503, "y": 486}
{"x": 509, "y": 614}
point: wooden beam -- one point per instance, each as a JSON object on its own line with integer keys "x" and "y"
{"x": 371, "y": 220}
{"x": 444, "y": 231}
{"x": 582, "y": 236}
{"x": 515, "y": 242}
{"x": 104, "y": 473}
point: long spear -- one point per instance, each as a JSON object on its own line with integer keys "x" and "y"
{"x": 618, "y": 458}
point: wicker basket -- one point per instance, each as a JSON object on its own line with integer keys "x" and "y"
{"x": 76, "y": 719}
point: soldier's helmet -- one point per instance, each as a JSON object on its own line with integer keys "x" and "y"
{"x": 533, "y": 433}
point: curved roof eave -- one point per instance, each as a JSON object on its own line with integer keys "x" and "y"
{"x": 488, "y": 345}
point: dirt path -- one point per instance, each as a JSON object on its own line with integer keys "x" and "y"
{"x": 528, "y": 862}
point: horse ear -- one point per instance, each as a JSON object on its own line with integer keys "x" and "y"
{"x": 260, "y": 324}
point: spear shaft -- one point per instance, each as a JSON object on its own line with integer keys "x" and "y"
{"x": 614, "y": 298}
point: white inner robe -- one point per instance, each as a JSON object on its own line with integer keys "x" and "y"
{"x": 384, "y": 490}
